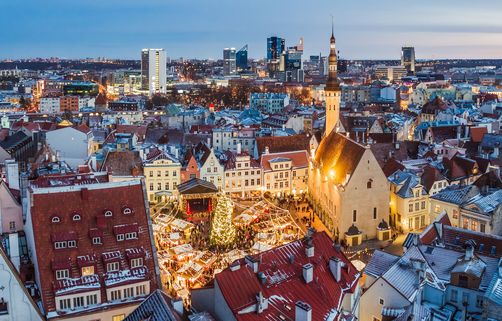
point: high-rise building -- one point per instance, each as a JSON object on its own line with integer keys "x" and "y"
{"x": 275, "y": 49}
{"x": 242, "y": 58}
{"x": 408, "y": 59}
{"x": 293, "y": 63}
{"x": 332, "y": 90}
{"x": 229, "y": 61}
{"x": 275, "y": 46}
{"x": 153, "y": 70}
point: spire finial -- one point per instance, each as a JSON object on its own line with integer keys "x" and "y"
{"x": 332, "y": 27}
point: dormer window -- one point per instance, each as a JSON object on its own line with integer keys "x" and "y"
{"x": 62, "y": 274}
{"x": 108, "y": 213}
{"x": 127, "y": 211}
{"x": 76, "y": 217}
{"x": 56, "y": 219}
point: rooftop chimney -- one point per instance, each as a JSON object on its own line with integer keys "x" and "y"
{"x": 335, "y": 266}
{"x": 235, "y": 266}
{"x": 303, "y": 311}
{"x": 12, "y": 169}
{"x": 469, "y": 252}
{"x": 309, "y": 250}
{"x": 239, "y": 148}
{"x": 266, "y": 150}
{"x": 308, "y": 272}
{"x": 252, "y": 263}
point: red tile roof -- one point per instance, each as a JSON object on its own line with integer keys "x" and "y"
{"x": 284, "y": 285}
{"x": 441, "y": 232}
{"x": 477, "y": 133}
{"x": 140, "y": 131}
{"x": 90, "y": 202}
{"x": 431, "y": 233}
{"x": 430, "y": 175}
{"x": 279, "y": 144}
{"x": 299, "y": 159}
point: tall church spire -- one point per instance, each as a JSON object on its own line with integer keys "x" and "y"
{"x": 332, "y": 90}
{"x": 332, "y": 82}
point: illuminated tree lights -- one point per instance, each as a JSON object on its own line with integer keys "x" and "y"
{"x": 223, "y": 232}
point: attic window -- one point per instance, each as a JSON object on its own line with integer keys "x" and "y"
{"x": 108, "y": 213}
{"x": 127, "y": 210}
{"x": 56, "y": 219}
{"x": 76, "y": 217}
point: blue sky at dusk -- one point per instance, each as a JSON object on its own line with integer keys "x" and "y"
{"x": 368, "y": 29}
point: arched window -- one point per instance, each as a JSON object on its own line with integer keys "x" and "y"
{"x": 368, "y": 184}
{"x": 108, "y": 213}
{"x": 76, "y": 217}
{"x": 56, "y": 219}
{"x": 127, "y": 210}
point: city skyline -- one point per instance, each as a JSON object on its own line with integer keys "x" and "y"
{"x": 199, "y": 29}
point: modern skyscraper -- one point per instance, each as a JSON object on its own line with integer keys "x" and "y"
{"x": 275, "y": 46}
{"x": 275, "y": 49}
{"x": 408, "y": 59}
{"x": 242, "y": 59}
{"x": 293, "y": 63}
{"x": 153, "y": 71}
{"x": 229, "y": 61}
{"x": 332, "y": 90}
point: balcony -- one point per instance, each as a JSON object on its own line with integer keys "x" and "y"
{"x": 126, "y": 276}
{"x": 81, "y": 284}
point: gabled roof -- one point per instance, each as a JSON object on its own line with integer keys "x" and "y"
{"x": 379, "y": 263}
{"x": 123, "y": 163}
{"x": 402, "y": 276}
{"x": 14, "y": 141}
{"x": 459, "y": 167}
{"x": 434, "y": 106}
{"x": 283, "y": 284}
{"x": 489, "y": 179}
{"x": 384, "y": 151}
{"x": 456, "y": 194}
{"x": 299, "y": 159}
{"x": 339, "y": 153}
{"x": 477, "y": 133}
{"x": 156, "y": 153}
{"x": 407, "y": 182}
{"x": 196, "y": 186}
{"x": 391, "y": 166}
{"x": 435, "y": 229}
{"x": 440, "y": 134}
{"x": 279, "y": 144}
{"x": 494, "y": 291}
{"x": 357, "y": 123}
{"x": 156, "y": 307}
{"x": 202, "y": 153}
{"x": 485, "y": 204}
{"x": 491, "y": 141}
{"x": 140, "y": 131}
{"x": 429, "y": 176}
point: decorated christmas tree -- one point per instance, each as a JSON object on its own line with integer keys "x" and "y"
{"x": 222, "y": 229}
